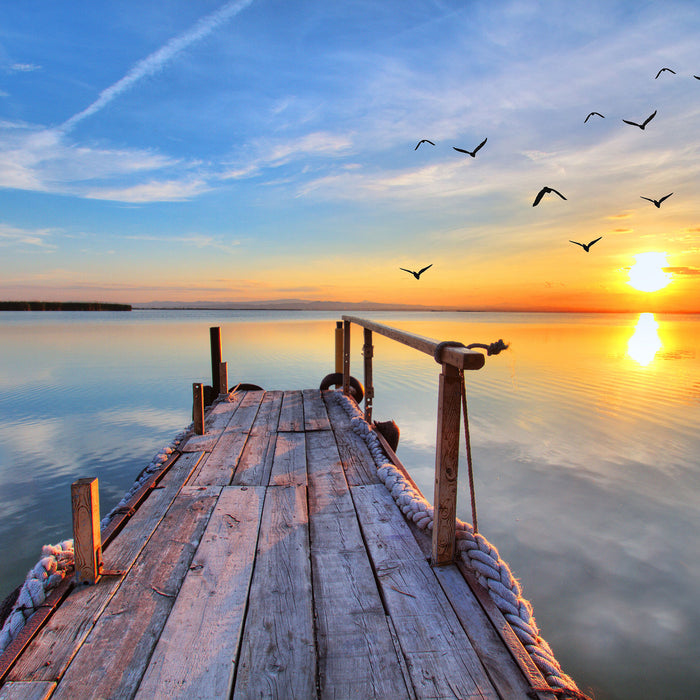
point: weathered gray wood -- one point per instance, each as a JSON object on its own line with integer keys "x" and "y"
{"x": 27, "y": 690}
{"x": 196, "y": 653}
{"x": 315, "y": 415}
{"x": 246, "y": 411}
{"x": 218, "y": 467}
{"x": 289, "y": 462}
{"x": 456, "y": 356}
{"x": 218, "y": 417}
{"x": 498, "y": 661}
{"x": 278, "y": 655}
{"x": 356, "y": 459}
{"x": 255, "y": 463}
{"x": 439, "y": 655}
{"x": 346, "y": 357}
{"x": 85, "y": 503}
{"x": 50, "y": 652}
{"x": 356, "y": 654}
{"x": 446, "y": 466}
{"x": 114, "y": 656}
{"x": 292, "y": 412}
{"x": 223, "y": 379}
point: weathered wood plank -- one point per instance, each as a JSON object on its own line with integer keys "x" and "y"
{"x": 356, "y": 458}
{"x": 292, "y": 412}
{"x": 31, "y": 690}
{"x": 196, "y": 653}
{"x": 315, "y": 415}
{"x": 114, "y": 656}
{"x": 356, "y": 653}
{"x": 497, "y": 660}
{"x": 289, "y": 462}
{"x": 50, "y": 652}
{"x": 278, "y": 656}
{"x": 439, "y": 655}
{"x": 246, "y": 411}
{"x": 216, "y": 420}
{"x": 268, "y": 414}
{"x": 218, "y": 467}
{"x": 255, "y": 462}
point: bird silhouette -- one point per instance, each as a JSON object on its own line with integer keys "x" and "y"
{"x": 644, "y": 123}
{"x": 662, "y": 70}
{"x": 697, "y": 77}
{"x": 471, "y": 153}
{"x": 543, "y": 192}
{"x": 657, "y": 202}
{"x": 423, "y": 141}
{"x": 591, "y": 114}
{"x": 416, "y": 274}
{"x": 586, "y": 246}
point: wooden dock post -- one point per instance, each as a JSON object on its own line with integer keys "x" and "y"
{"x": 198, "y": 408}
{"x": 215, "y": 342}
{"x": 368, "y": 353}
{"x": 338, "y": 346}
{"x": 346, "y": 358}
{"x": 446, "y": 466}
{"x": 87, "y": 541}
{"x": 223, "y": 379}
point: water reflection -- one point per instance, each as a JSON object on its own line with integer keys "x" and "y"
{"x": 645, "y": 342}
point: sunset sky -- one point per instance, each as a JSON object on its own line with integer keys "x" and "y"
{"x": 265, "y": 149}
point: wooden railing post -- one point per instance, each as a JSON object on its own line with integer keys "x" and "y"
{"x": 198, "y": 408}
{"x": 446, "y": 465}
{"x": 338, "y": 346}
{"x": 215, "y": 342}
{"x": 87, "y": 540}
{"x": 368, "y": 353}
{"x": 346, "y": 358}
{"x": 223, "y": 379}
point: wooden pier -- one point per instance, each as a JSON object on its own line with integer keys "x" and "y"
{"x": 267, "y": 560}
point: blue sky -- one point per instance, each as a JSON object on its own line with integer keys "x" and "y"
{"x": 262, "y": 149}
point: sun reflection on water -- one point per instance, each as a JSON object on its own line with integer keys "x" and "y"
{"x": 645, "y": 342}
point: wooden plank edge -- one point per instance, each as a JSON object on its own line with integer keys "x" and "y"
{"x": 520, "y": 655}
{"x": 37, "y": 621}
{"x": 33, "y": 626}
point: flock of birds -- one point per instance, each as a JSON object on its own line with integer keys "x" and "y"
{"x": 550, "y": 190}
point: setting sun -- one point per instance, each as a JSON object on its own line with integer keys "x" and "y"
{"x": 647, "y": 274}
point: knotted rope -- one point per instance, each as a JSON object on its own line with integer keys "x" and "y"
{"x": 57, "y": 560}
{"x": 476, "y": 552}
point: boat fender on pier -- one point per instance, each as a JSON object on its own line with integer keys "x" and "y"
{"x": 336, "y": 379}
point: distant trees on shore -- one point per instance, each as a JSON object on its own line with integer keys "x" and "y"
{"x": 61, "y": 306}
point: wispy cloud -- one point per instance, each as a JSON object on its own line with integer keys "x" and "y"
{"x": 34, "y": 239}
{"x": 153, "y": 191}
{"x": 24, "y": 67}
{"x": 158, "y": 59}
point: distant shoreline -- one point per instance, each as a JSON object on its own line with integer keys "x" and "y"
{"x": 61, "y": 306}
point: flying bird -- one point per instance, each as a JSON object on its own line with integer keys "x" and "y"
{"x": 416, "y": 274}
{"x": 423, "y": 141}
{"x": 586, "y": 246}
{"x": 644, "y": 123}
{"x": 591, "y": 114}
{"x": 543, "y": 192}
{"x": 657, "y": 202}
{"x": 471, "y": 153}
{"x": 662, "y": 70}
{"x": 697, "y": 77}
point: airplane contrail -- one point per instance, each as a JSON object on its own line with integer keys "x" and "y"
{"x": 153, "y": 63}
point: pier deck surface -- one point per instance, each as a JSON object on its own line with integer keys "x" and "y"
{"x": 270, "y": 562}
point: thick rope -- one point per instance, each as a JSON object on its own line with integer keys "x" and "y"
{"x": 476, "y": 552}
{"x": 57, "y": 560}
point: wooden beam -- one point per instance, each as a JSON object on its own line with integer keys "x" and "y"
{"x": 338, "y": 346}
{"x": 459, "y": 357}
{"x": 215, "y": 342}
{"x": 346, "y": 358}
{"x": 223, "y": 379}
{"x": 446, "y": 464}
{"x": 87, "y": 544}
{"x": 198, "y": 408}
{"x": 367, "y": 354}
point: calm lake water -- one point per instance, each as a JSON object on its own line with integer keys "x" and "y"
{"x": 584, "y": 432}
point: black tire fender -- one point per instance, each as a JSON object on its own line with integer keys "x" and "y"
{"x": 336, "y": 379}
